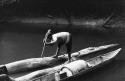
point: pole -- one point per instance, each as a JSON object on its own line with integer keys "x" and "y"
{"x": 45, "y": 38}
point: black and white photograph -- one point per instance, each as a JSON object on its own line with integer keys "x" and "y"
{"x": 62, "y": 40}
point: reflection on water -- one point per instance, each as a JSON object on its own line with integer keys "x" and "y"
{"x": 21, "y": 42}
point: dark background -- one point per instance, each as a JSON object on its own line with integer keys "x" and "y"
{"x": 64, "y": 7}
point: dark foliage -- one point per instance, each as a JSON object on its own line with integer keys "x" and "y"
{"x": 66, "y": 7}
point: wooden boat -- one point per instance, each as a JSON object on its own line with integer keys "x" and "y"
{"x": 49, "y": 62}
{"x": 70, "y": 70}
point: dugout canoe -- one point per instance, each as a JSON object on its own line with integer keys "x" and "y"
{"x": 71, "y": 70}
{"x": 48, "y": 62}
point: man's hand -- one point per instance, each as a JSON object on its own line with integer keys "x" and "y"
{"x": 44, "y": 40}
{"x": 49, "y": 31}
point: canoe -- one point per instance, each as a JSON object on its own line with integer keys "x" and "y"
{"x": 71, "y": 70}
{"x": 48, "y": 62}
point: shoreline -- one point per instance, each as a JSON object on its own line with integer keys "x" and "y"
{"x": 91, "y": 23}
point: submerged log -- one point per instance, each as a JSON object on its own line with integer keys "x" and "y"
{"x": 48, "y": 62}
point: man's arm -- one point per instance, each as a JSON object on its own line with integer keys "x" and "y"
{"x": 51, "y": 43}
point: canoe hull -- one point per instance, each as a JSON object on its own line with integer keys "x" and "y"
{"x": 48, "y": 62}
{"x": 62, "y": 75}
{"x": 98, "y": 64}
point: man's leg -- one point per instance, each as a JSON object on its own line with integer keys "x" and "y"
{"x": 69, "y": 55}
{"x": 57, "y": 52}
{"x": 69, "y": 48}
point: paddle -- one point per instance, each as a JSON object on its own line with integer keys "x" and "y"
{"x": 45, "y": 38}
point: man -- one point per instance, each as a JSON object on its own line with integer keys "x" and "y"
{"x": 28, "y": 64}
{"x": 61, "y": 38}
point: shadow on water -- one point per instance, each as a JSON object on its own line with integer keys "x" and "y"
{"x": 20, "y": 41}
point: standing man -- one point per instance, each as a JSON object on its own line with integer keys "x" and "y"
{"x": 61, "y": 38}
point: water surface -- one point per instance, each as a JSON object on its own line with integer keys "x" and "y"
{"x": 21, "y": 41}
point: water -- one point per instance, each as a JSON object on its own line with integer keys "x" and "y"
{"x": 19, "y": 41}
